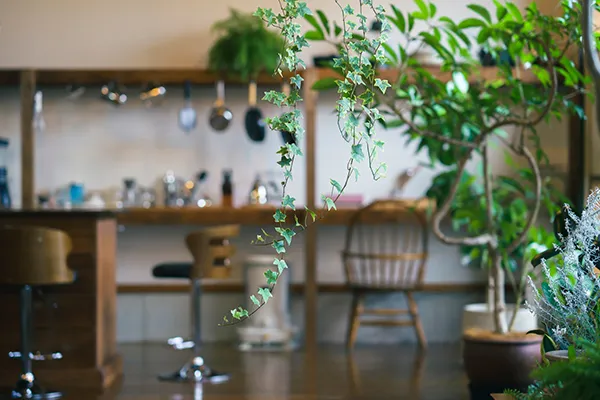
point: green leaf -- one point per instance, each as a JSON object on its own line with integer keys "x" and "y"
{"x": 286, "y": 233}
{"x": 324, "y": 21}
{"x": 325, "y": 84}
{"x": 481, "y": 11}
{"x": 279, "y": 246}
{"x": 424, "y": 10}
{"x": 336, "y": 185}
{"x": 255, "y": 300}
{"x": 279, "y": 216}
{"x": 313, "y": 21}
{"x": 329, "y": 203}
{"x": 357, "y": 152}
{"x": 288, "y": 201}
{"x": 314, "y": 35}
{"x": 514, "y": 11}
{"x": 281, "y": 264}
{"x": 399, "y": 19}
{"x": 348, "y": 10}
{"x": 382, "y": 84}
{"x": 311, "y": 213}
{"x": 471, "y": 23}
{"x": 265, "y": 293}
{"x": 460, "y": 81}
{"x": 271, "y": 277}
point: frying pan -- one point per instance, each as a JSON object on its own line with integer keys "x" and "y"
{"x": 220, "y": 115}
{"x": 255, "y": 125}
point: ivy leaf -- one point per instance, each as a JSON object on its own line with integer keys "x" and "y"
{"x": 329, "y": 202}
{"x": 336, "y": 185}
{"x": 255, "y": 300}
{"x": 311, "y": 213}
{"x": 296, "y": 80}
{"x": 279, "y": 216}
{"x": 303, "y": 10}
{"x": 279, "y": 246}
{"x": 357, "y": 152}
{"x": 239, "y": 313}
{"x": 271, "y": 276}
{"x": 348, "y": 10}
{"x": 298, "y": 224}
{"x": 281, "y": 265}
{"x": 286, "y": 233}
{"x": 382, "y": 84}
{"x": 288, "y": 201}
{"x": 265, "y": 293}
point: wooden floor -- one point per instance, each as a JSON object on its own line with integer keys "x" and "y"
{"x": 372, "y": 373}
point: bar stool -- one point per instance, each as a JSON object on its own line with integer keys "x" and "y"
{"x": 211, "y": 252}
{"x": 33, "y": 256}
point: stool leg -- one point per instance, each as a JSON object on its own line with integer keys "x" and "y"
{"x": 27, "y": 387}
{"x": 195, "y": 369}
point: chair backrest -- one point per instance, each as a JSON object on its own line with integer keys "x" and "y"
{"x": 211, "y": 251}
{"x": 34, "y": 256}
{"x": 390, "y": 255}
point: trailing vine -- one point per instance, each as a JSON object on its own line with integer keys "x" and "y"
{"x": 357, "y": 116}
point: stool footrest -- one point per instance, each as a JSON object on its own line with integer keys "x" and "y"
{"x": 178, "y": 343}
{"x": 37, "y": 356}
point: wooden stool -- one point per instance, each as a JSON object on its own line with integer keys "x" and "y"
{"x": 33, "y": 257}
{"x": 211, "y": 251}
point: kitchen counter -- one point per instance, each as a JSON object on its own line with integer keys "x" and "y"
{"x": 79, "y": 320}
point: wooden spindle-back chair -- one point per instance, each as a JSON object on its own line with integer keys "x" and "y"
{"x": 386, "y": 257}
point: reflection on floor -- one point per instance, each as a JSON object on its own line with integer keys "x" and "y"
{"x": 371, "y": 373}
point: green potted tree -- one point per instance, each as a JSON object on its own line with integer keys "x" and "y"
{"x": 455, "y": 111}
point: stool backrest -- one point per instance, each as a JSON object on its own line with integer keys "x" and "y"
{"x": 34, "y": 256}
{"x": 211, "y": 251}
{"x": 388, "y": 255}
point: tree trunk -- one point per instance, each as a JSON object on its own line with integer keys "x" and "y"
{"x": 500, "y": 320}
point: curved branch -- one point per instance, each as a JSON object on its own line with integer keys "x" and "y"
{"x": 589, "y": 43}
{"x": 445, "y": 208}
{"x": 537, "y": 201}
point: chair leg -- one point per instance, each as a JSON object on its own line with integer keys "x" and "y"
{"x": 354, "y": 322}
{"x": 414, "y": 313}
{"x": 27, "y": 387}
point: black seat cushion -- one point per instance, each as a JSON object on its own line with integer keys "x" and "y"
{"x": 172, "y": 270}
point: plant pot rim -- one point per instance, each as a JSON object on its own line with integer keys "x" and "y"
{"x": 475, "y": 335}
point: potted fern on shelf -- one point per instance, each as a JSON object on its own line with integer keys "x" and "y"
{"x": 455, "y": 111}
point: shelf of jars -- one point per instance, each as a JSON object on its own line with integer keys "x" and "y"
{"x": 252, "y": 215}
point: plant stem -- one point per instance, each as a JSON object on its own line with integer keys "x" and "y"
{"x": 499, "y": 303}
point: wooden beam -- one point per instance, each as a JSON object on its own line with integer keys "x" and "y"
{"x": 196, "y": 76}
{"x": 295, "y": 288}
{"x": 310, "y": 253}
{"x": 27, "y": 87}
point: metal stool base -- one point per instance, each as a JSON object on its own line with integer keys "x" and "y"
{"x": 34, "y": 393}
{"x": 195, "y": 371}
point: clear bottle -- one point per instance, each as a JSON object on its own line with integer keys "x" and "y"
{"x": 5, "y": 200}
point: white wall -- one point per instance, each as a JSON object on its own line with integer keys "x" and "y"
{"x": 90, "y": 141}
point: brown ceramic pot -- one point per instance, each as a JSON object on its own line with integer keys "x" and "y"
{"x": 495, "y": 362}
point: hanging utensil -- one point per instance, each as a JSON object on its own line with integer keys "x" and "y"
{"x": 153, "y": 94}
{"x": 220, "y": 115}
{"x": 187, "y": 115}
{"x": 288, "y": 137}
{"x": 255, "y": 125}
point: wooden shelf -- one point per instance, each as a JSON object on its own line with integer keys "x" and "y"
{"x": 484, "y": 73}
{"x": 296, "y": 288}
{"x": 127, "y": 77}
{"x": 245, "y": 215}
{"x": 204, "y": 77}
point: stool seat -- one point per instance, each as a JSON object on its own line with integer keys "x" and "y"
{"x": 179, "y": 270}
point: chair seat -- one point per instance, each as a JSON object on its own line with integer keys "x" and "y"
{"x": 172, "y": 270}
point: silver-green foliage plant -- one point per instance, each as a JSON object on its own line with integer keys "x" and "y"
{"x": 567, "y": 301}
{"x": 455, "y": 114}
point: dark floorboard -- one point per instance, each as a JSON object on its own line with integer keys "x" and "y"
{"x": 371, "y": 373}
